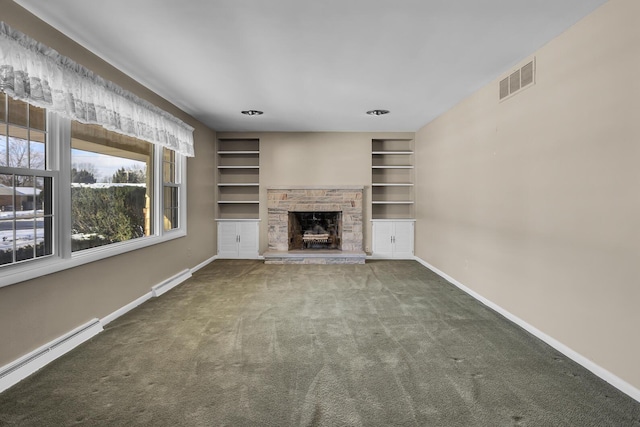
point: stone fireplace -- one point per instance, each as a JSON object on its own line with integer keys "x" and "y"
{"x": 315, "y": 225}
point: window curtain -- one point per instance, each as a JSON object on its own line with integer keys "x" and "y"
{"x": 34, "y": 73}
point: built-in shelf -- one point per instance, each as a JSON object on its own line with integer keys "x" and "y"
{"x": 238, "y": 178}
{"x": 392, "y": 178}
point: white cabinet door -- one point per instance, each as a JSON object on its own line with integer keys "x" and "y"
{"x": 248, "y": 239}
{"x": 382, "y": 244}
{"x": 403, "y": 239}
{"x": 392, "y": 239}
{"x": 238, "y": 239}
{"x": 227, "y": 239}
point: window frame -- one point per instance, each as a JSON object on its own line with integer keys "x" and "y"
{"x": 58, "y": 162}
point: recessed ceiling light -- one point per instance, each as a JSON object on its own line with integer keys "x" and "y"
{"x": 377, "y": 112}
{"x": 252, "y": 112}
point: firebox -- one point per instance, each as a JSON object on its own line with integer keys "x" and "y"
{"x": 315, "y": 230}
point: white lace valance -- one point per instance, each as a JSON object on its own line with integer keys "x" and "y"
{"x": 34, "y": 73}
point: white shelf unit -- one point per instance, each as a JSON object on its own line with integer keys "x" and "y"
{"x": 238, "y": 178}
{"x": 392, "y": 178}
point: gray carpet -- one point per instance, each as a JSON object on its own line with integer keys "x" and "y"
{"x": 387, "y": 343}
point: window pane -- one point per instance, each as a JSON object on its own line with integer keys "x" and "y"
{"x": 168, "y": 173}
{"x": 4, "y": 160}
{"x": 6, "y": 240}
{"x": 37, "y": 150}
{"x": 24, "y": 193}
{"x": 3, "y": 110}
{"x": 18, "y": 112}
{"x": 44, "y": 236}
{"x": 25, "y": 237}
{"x": 170, "y": 197}
{"x": 168, "y": 166}
{"x": 6, "y": 195}
{"x": 37, "y": 118}
{"x": 18, "y": 148}
{"x": 170, "y": 219}
{"x": 170, "y": 207}
{"x": 111, "y": 194}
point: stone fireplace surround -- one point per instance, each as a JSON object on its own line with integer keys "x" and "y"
{"x": 345, "y": 199}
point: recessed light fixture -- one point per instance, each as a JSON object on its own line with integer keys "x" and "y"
{"x": 252, "y": 112}
{"x": 377, "y": 112}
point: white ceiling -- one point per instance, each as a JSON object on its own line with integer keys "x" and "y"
{"x": 313, "y": 65}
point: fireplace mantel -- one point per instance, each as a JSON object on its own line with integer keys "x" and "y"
{"x": 343, "y": 198}
{"x": 316, "y": 187}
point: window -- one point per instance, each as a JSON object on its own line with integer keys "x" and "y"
{"x": 111, "y": 187}
{"x": 72, "y": 193}
{"x": 26, "y": 217}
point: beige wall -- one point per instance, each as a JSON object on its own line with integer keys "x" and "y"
{"x": 315, "y": 159}
{"x": 534, "y": 202}
{"x": 33, "y": 313}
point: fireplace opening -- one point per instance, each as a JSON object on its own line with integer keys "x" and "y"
{"x": 315, "y": 230}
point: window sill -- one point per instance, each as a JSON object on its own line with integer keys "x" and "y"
{"x": 37, "y": 268}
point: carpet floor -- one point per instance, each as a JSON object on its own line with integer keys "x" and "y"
{"x": 387, "y": 343}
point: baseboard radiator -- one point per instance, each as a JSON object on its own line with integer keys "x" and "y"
{"x": 28, "y": 364}
{"x": 31, "y": 362}
{"x": 170, "y": 283}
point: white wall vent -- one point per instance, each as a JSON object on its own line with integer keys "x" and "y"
{"x": 518, "y": 79}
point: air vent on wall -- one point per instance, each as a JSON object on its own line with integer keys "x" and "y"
{"x": 518, "y": 79}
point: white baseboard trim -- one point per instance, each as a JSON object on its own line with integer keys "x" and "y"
{"x": 204, "y": 263}
{"x": 374, "y": 257}
{"x": 123, "y": 310}
{"x": 598, "y": 370}
{"x": 170, "y": 283}
{"x": 28, "y": 364}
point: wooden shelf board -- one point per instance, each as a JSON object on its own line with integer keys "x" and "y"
{"x": 239, "y": 167}
{"x": 237, "y": 202}
{"x": 391, "y": 184}
{"x": 392, "y": 167}
{"x": 392, "y": 152}
{"x": 238, "y": 184}
{"x": 237, "y": 152}
{"x": 388, "y": 202}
